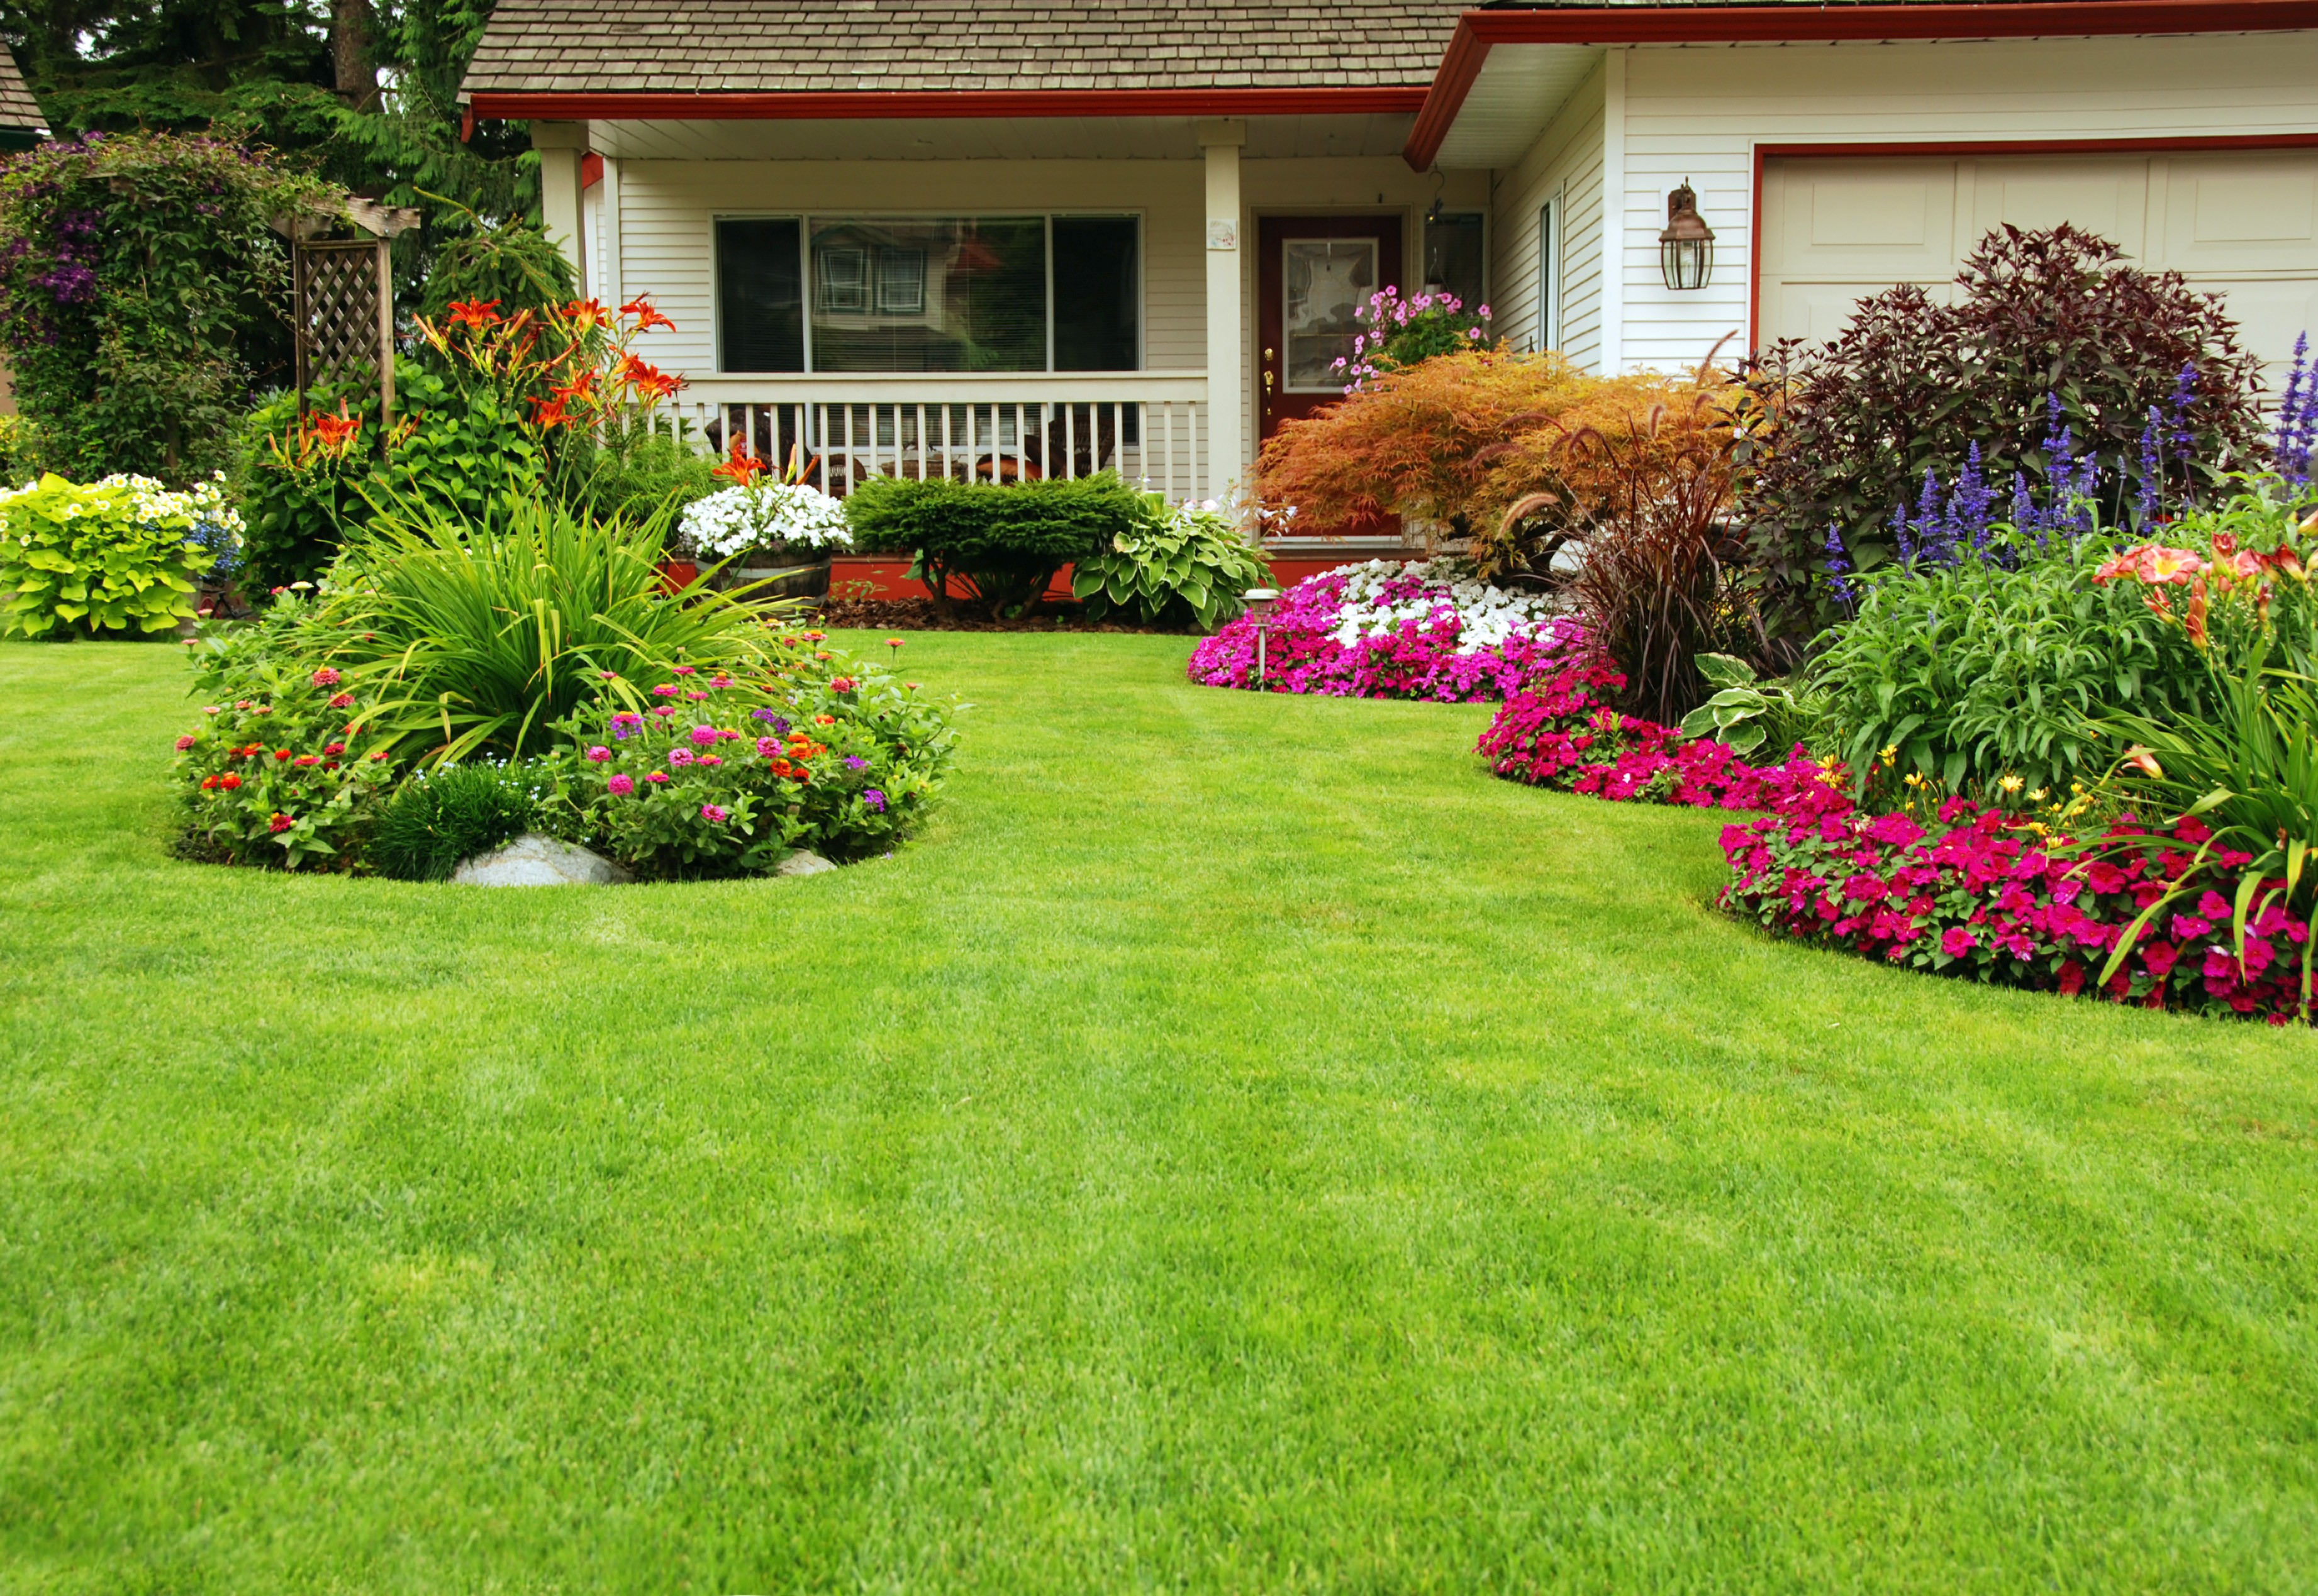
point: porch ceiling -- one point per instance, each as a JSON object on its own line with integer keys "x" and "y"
{"x": 1520, "y": 90}
{"x": 991, "y": 138}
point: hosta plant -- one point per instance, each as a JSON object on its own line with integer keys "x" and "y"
{"x": 123, "y": 555}
{"x": 727, "y": 775}
{"x": 1179, "y": 562}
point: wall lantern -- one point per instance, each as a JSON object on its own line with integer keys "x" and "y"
{"x": 1686, "y": 248}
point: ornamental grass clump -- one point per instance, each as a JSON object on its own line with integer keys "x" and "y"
{"x": 724, "y": 774}
{"x": 439, "y": 817}
{"x": 1388, "y": 630}
{"x": 478, "y": 638}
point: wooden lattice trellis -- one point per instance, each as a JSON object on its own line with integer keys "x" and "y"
{"x": 345, "y": 300}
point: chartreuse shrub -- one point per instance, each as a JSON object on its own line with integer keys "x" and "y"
{"x": 121, "y": 556}
{"x": 1179, "y": 563}
{"x": 726, "y": 772}
{"x": 1002, "y": 543}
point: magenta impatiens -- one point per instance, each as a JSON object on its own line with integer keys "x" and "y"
{"x": 1965, "y": 891}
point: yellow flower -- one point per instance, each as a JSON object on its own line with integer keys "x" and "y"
{"x": 1890, "y": 753}
{"x": 2012, "y": 783}
{"x": 2040, "y": 794}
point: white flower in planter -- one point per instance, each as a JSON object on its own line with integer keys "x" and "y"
{"x": 766, "y": 516}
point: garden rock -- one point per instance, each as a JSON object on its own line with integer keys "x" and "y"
{"x": 531, "y": 860}
{"x": 803, "y": 863}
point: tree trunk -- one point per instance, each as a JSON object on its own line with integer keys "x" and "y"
{"x": 352, "y": 59}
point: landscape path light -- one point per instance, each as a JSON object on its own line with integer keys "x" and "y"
{"x": 1260, "y": 601}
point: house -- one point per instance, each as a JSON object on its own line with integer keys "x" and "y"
{"x": 21, "y": 123}
{"x": 1024, "y": 236}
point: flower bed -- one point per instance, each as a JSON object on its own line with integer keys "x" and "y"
{"x": 1560, "y": 732}
{"x": 1387, "y": 630}
{"x": 1966, "y": 891}
{"x": 1979, "y": 894}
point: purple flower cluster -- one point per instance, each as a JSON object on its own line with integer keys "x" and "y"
{"x": 1426, "y": 653}
{"x": 2297, "y": 417}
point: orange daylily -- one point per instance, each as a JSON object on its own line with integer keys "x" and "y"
{"x": 477, "y": 314}
{"x": 648, "y": 380}
{"x": 741, "y": 468}
{"x": 646, "y": 316}
{"x": 333, "y": 432}
{"x": 588, "y": 314}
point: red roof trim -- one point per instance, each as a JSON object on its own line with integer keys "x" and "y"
{"x": 863, "y": 106}
{"x": 1478, "y": 31}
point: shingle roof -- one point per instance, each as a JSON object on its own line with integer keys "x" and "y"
{"x": 768, "y": 45}
{"x": 18, "y": 109}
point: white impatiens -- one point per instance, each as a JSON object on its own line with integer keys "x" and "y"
{"x": 766, "y": 516}
{"x": 1384, "y": 595}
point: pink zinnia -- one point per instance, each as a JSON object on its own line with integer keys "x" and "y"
{"x": 688, "y": 670}
{"x": 598, "y": 754}
{"x": 658, "y": 778}
{"x": 326, "y": 678}
{"x": 712, "y": 815}
{"x": 184, "y": 743}
{"x": 679, "y": 755}
{"x": 621, "y": 785}
{"x": 665, "y": 690}
{"x": 705, "y": 737}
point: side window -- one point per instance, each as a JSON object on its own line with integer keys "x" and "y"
{"x": 759, "y": 295}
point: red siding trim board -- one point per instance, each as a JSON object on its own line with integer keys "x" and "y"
{"x": 1767, "y": 153}
{"x": 1478, "y": 31}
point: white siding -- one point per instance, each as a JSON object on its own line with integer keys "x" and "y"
{"x": 1566, "y": 160}
{"x": 1700, "y": 112}
{"x": 667, "y": 210}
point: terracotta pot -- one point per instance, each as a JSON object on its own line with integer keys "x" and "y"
{"x": 676, "y": 575}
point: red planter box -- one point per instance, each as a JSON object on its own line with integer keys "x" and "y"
{"x": 890, "y": 578}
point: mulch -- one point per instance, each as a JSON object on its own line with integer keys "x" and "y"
{"x": 923, "y": 614}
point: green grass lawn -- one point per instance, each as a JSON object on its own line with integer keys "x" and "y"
{"x": 1241, "y": 1147}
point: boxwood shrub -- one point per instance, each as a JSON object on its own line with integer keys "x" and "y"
{"x": 1000, "y": 544}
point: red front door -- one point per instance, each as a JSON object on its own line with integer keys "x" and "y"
{"x": 1315, "y": 271}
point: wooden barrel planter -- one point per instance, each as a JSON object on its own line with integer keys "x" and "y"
{"x": 780, "y": 576}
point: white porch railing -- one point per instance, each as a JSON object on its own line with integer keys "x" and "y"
{"x": 1152, "y": 430}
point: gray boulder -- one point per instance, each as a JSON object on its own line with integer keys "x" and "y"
{"x": 803, "y": 863}
{"x": 531, "y": 860}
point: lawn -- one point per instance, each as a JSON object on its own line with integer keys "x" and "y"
{"x": 1241, "y": 1147}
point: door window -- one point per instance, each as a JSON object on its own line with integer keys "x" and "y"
{"x": 1325, "y": 282}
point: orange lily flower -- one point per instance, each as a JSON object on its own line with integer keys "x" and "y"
{"x": 646, "y": 316}
{"x": 739, "y": 467}
{"x": 477, "y": 314}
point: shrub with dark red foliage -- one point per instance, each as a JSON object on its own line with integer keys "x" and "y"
{"x": 1911, "y": 387}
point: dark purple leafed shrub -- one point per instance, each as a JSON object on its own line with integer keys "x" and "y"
{"x": 2059, "y": 379}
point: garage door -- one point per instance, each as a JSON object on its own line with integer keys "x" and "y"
{"x": 2240, "y": 224}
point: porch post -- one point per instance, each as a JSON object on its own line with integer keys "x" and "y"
{"x": 1220, "y": 141}
{"x": 560, "y": 147}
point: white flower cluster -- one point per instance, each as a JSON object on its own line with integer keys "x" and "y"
{"x": 770, "y": 515}
{"x": 148, "y": 502}
{"x": 1489, "y": 615}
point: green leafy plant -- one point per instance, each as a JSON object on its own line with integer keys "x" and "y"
{"x": 1003, "y": 544}
{"x": 282, "y": 775}
{"x": 119, "y": 556}
{"x": 439, "y": 818}
{"x": 1179, "y": 563}
{"x": 1987, "y": 670}
{"x": 302, "y": 486}
{"x": 134, "y": 266}
{"x": 1745, "y": 712}
{"x": 477, "y": 636}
